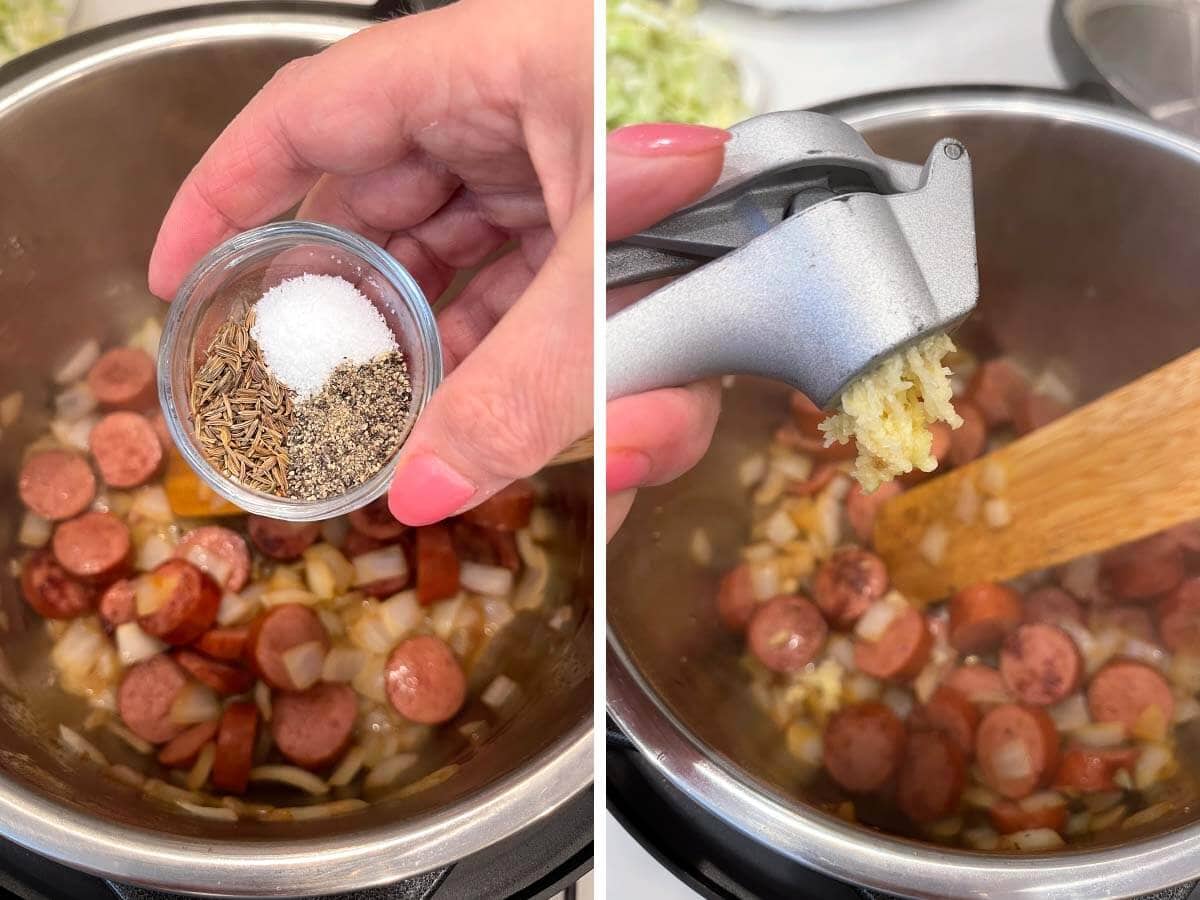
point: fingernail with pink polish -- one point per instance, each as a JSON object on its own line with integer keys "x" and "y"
{"x": 426, "y": 489}
{"x": 626, "y": 469}
{"x": 666, "y": 139}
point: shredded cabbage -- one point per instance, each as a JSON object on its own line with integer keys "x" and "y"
{"x": 28, "y": 24}
{"x": 660, "y": 69}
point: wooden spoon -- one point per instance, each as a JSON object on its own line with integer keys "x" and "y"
{"x": 1121, "y": 468}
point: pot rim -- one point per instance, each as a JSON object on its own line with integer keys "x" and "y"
{"x": 824, "y": 842}
{"x": 233, "y": 868}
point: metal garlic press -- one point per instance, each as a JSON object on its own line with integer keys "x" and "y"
{"x": 812, "y": 259}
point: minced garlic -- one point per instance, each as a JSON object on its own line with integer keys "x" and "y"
{"x": 889, "y": 411}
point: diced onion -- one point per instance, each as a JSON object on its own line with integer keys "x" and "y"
{"x": 899, "y": 700}
{"x": 333, "y": 573}
{"x": 1011, "y": 761}
{"x": 342, "y": 664}
{"x": 35, "y": 531}
{"x": 202, "y": 811}
{"x": 151, "y": 503}
{"x": 126, "y": 775}
{"x": 1078, "y": 824}
{"x": 1185, "y": 670}
{"x": 76, "y": 433}
{"x": 499, "y": 692}
{"x": 996, "y": 513}
{"x": 371, "y": 634}
{"x": 561, "y": 618}
{"x": 212, "y": 564}
{"x": 369, "y": 680}
{"x": 77, "y": 743}
{"x": 700, "y": 547}
{"x": 79, "y": 647}
{"x": 841, "y": 650}
{"x": 75, "y": 402}
{"x": 1042, "y": 800}
{"x": 1070, "y": 714}
{"x": 491, "y": 581}
{"x": 134, "y": 645}
{"x": 533, "y": 589}
{"x": 147, "y": 337}
{"x": 497, "y": 613}
{"x": 771, "y": 488}
{"x": 1032, "y": 840}
{"x": 387, "y": 771}
{"x": 444, "y": 615}
{"x": 283, "y": 596}
{"x": 764, "y": 581}
{"x": 154, "y": 787}
{"x": 433, "y": 779}
{"x": 875, "y": 621}
{"x": 202, "y": 768}
{"x": 150, "y": 595}
{"x": 750, "y": 471}
{"x": 980, "y": 797}
{"x": 1107, "y": 819}
{"x": 1100, "y": 734}
{"x": 981, "y": 838}
{"x": 155, "y": 550}
{"x": 860, "y": 687}
{"x": 1145, "y": 651}
{"x": 79, "y": 362}
{"x": 262, "y": 699}
{"x": 475, "y": 732}
{"x": 793, "y": 466}
{"x": 805, "y": 743}
{"x": 313, "y": 811}
{"x": 1154, "y": 762}
{"x": 236, "y": 609}
{"x": 349, "y": 767}
{"x": 320, "y": 579}
{"x": 780, "y": 529}
{"x": 1151, "y": 725}
{"x": 293, "y": 776}
{"x": 1123, "y": 780}
{"x": 195, "y": 703}
{"x": 1148, "y": 815}
{"x": 381, "y": 564}
{"x": 945, "y": 829}
{"x": 304, "y": 663}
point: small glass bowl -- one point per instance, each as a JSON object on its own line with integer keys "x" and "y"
{"x": 240, "y": 271}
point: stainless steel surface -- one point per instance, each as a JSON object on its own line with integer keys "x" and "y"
{"x": 96, "y": 138}
{"x": 826, "y": 257}
{"x": 1080, "y": 266}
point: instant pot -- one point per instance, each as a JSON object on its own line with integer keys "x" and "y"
{"x": 97, "y": 133}
{"x": 1088, "y": 223}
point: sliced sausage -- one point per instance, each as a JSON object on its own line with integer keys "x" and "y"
{"x": 312, "y": 728}
{"x": 951, "y": 713}
{"x": 1052, "y": 605}
{"x": 1009, "y": 817}
{"x": 123, "y": 378}
{"x": 968, "y": 439}
{"x": 57, "y": 484}
{"x": 982, "y": 685}
{"x": 276, "y": 631}
{"x": 1041, "y": 664}
{"x": 219, "y": 552}
{"x": 224, "y": 643}
{"x": 901, "y": 652}
{"x": 1125, "y": 691}
{"x": 220, "y": 676}
{"x": 1135, "y": 621}
{"x": 126, "y": 449}
{"x": 814, "y": 445}
{"x": 864, "y": 746}
{"x": 507, "y": 510}
{"x": 861, "y": 508}
{"x": 932, "y": 776}
{"x": 982, "y": 615}
{"x": 282, "y": 540}
{"x": 118, "y": 603}
{"x": 996, "y": 388}
{"x": 1144, "y": 569}
{"x": 1034, "y": 411}
{"x": 820, "y": 479}
{"x": 235, "y": 747}
{"x": 786, "y": 633}
{"x": 437, "y": 565}
{"x": 735, "y": 599}
{"x": 95, "y": 546}
{"x": 50, "y": 589}
{"x": 181, "y": 751}
{"x": 375, "y": 520}
{"x": 1017, "y": 749}
{"x": 939, "y": 449}
{"x": 424, "y": 681}
{"x": 847, "y": 583}
{"x": 188, "y": 602}
{"x": 147, "y": 693}
{"x": 1091, "y": 769}
{"x": 485, "y": 545}
{"x": 1179, "y": 617}
{"x": 357, "y": 543}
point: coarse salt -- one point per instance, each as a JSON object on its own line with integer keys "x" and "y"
{"x": 309, "y": 325}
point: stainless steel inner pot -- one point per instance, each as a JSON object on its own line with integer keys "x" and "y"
{"x": 95, "y": 135}
{"x": 1089, "y": 255}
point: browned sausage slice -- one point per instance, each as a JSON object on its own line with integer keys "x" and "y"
{"x": 126, "y": 449}
{"x": 901, "y": 652}
{"x": 951, "y": 713}
{"x": 968, "y": 439}
{"x": 219, "y": 552}
{"x": 146, "y": 696}
{"x": 437, "y": 565}
{"x": 1144, "y": 569}
{"x": 996, "y": 389}
{"x": 282, "y": 540}
{"x": 863, "y": 748}
{"x": 118, "y": 604}
{"x": 847, "y": 583}
{"x": 312, "y": 728}
{"x": 1125, "y": 691}
{"x": 235, "y": 747}
{"x": 507, "y": 510}
{"x": 424, "y": 681}
{"x": 982, "y": 615}
{"x": 51, "y": 591}
{"x": 57, "y": 484}
{"x": 357, "y": 543}
{"x": 1017, "y": 749}
{"x": 786, "y": 633}
{"x": 1052, "y": 605}
{"x": 181, "y": 751}
{"x": 1041, "y": 664}
{"x": 220, "y": 676}
{"x": 982, "y": 685}
{"x": 187, "y": 602}
{"x": 95, "y": 546}
{"x": 735, "y": 599}
{"x": 483, "y": 545}
{"x": 1179, "y": 617}
{"x": 224, "y": 643}
{"x": 276, "y": 631}
{"x": 861, "y": 508}
{"x": 123, "y": 378}
{"x": 376, "y": 521}
{"x": 1091, "y": 769}
{"x": 932, "y": 776}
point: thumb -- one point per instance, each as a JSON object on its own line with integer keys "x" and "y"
{"x": 519, "y": 398}
{"x": 655, "y": 169}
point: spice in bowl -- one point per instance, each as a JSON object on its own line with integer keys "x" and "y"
{"x": 305, "y": 394}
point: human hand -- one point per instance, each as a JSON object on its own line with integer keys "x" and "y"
{"x": 443, "y": 137}
{"x": 655, "y": 437}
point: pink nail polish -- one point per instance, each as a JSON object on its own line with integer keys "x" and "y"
{"x": 626, "y": 469}
{"x": 666, "y": 139}
{"x": 426, "y": 489}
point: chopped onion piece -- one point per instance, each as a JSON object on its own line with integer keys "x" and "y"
{"x": 499, "y": 692}
{"x": 312, "y": 811}
{"x": 1123, "y": 780}
{"x": 981, "y": 838}
{"x": 1042, "y": 800}
{"x": 1151, "y": 725}
{"x": 561, "y": 618}
{"x": 475, "y": 732}
{"x": 77, "y": 743}
{"x": 147, "y": 337}
{"x": 236, "y": 609}
{"x": 381, "y": 564}
{"x": 875, "y": 621}
{"x": 203, "y": 811}
{"x": 805, "y": 743}
{"x": 1107, "y": 819}
{"x": 764, "y": 581}
{"x": 79, "y": 362}
{"x": 349, "y": 767}
{"x": 213, "y": 564}
{"x": 1070, "y": 714}
{"x": 388, "y": 770}
{"x": 155, "y": 550}
{"x": 262, "y": 699}
{"x": 369, "y": 680}
{"x": 79, "y": 647}
{"x": 371, "y": 634}
{"x": 751, "y": 470}
{"x": 151, "y": 503}
{"x": 700, "y": 547}
{"x": 1100, "y": 734}
{"x": 75, "y": 402}
{"x": 793, "y": 466}
{"x": 338, "y": 569}
{"x": 841, "y": 650}
{"x": 980, "y": 797}
{"x": 860, "y": 687}
{"x": 1148, "y": 815}
{"x": 342, "y": 664}
{"x": 150, "y": 595}
{"x": 304, "y": 663}
{"x": 75, "y": 434}
{"x": 1081, "y": 577}
{"x": 1145, "y": 651}
{"x": 288, "y": 595}
{"x": 1032, "y": 840}
{"x": 35, "y": 531}
{"x": 445, "y": 614}
{"x": 202, "y": 768}
{"x": 293, "y": 776}
{"x": 1011, "y": 761}
{"x": 134, "y": 645}
{"x": 126, "y": 775}
{"x": 899, "y": 700}
{"x": 195, "y": 703}
{"x": 497, "y": 612}
{"x": 780, "y": 529}
{"x": 491, "y": 581}
{"x": 1078, "y": 824}
{"x": 1154, "y": 762}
